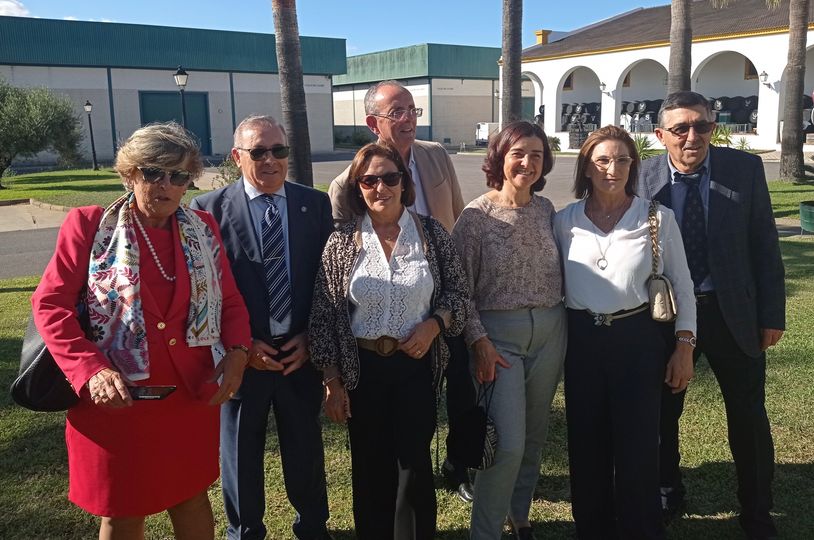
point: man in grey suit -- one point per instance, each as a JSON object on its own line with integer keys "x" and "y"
{"x": 721, "y": 203}
{"x": 273, "y": 232}
{"x": 392, "y": 116}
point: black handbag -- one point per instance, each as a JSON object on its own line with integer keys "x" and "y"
{"x": 473, "y": 435}
{"x": 40, "y": 384}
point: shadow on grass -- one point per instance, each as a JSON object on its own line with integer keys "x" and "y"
{"x": 88, "y": 188}
{"x": 798, "y": 255}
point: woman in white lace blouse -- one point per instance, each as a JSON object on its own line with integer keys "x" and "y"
{"x": 517, "y": 326}
{"x": 390, "y": 284}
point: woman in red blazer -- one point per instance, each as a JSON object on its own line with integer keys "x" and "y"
{"x": 164, "y": 311}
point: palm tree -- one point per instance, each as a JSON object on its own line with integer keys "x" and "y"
{"x": 791, "y": 146}
{"x": 511, "y": 106}
{"x": 292, "y": 93}
{"x": 678, "y": 76}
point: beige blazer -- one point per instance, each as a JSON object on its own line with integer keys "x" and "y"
{"x": 438, "y": 180}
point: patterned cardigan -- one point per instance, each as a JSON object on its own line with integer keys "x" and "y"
{"x": 331, "y": 340}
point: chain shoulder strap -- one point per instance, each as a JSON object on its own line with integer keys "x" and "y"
{"x": 652, "y": 218}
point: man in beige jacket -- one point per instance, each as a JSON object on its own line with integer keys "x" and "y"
{"x": 392, "y": 116}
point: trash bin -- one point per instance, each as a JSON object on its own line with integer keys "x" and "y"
{"x": 807, "y": 216}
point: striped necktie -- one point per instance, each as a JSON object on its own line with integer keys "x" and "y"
{"x": 694, "y": 227}
{"x": 279, "y": 288}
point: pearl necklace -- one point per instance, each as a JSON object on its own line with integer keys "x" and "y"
{"x": 152, "y": 250}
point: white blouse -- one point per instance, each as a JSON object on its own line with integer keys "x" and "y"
{"x": 627, "y": 261}
{"x": 390, "y": 297}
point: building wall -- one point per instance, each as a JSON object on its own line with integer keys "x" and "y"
{"x": 767, "y": 52}
{"x": 458, "y": 105}
{"x": 253, "y": 94}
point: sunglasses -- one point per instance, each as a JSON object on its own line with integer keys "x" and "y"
{"x": 370, "y": 181}
{"x": 681, "y": 130}
{"x": 278, "y": 151}
{"x": 153, "y": 175}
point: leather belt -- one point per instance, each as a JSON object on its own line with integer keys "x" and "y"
{"x": 383, "y": 346}
{"x": 607, "y": 318}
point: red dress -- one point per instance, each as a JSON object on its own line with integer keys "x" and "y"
{"x": 146, "y": 458}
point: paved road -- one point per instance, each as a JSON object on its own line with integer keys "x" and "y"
{"x": 26, "y": 252}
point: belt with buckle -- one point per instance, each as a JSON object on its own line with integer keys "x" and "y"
{"x": 607, "y": 318}
{"x": 383, "y": 346}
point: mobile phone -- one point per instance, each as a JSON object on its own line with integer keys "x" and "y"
{"x": 150, "y": 392}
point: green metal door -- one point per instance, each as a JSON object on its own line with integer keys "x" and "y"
{"x": 166, "y": 106}
{"x": 527, "y": 104}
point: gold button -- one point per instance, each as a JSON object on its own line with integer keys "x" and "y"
{"x": 162, "y": 325}
{"x": 172, "y": 341}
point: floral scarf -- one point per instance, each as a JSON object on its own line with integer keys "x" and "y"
{"x": 114, "y": 298}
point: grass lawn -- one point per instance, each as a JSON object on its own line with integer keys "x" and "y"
{"x": 33, "y": 468}
{"x": 33, "y": 463}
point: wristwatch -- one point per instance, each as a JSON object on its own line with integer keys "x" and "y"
{"x": 691, "y": 340}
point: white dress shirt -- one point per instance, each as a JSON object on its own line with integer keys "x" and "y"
{"x": 420, "y": 205}
{"x": 257, "y": 207}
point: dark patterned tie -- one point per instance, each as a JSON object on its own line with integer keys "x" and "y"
{"x": 271, "y": 232}
{"x": 694, "y": 227}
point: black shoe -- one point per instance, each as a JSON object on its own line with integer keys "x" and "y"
{"x": 672, "y": 506}
{"x": 525, "y": 533}
{"x": 465, "y": 492}
{"x": 758, "y": 529}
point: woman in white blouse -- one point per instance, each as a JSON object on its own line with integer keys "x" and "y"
{"x": 617, "y": 356}
{"x": 390, "y": 284}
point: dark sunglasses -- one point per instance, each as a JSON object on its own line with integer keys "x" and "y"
{"x": 154, "y": 174}
{"x": 278, "y": 151}
{"x": 369, "y": 181}
{"x": 681, "y": 130}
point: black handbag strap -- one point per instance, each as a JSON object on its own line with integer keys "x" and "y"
{"x": 485, "y": 392}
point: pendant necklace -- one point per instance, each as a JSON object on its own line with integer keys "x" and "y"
{"x": 164, "y": 274}
{"x": 602, "y": 261}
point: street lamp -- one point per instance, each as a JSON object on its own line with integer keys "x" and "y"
{"x": 181, "y": 78}
{"x": 88, "y": 108}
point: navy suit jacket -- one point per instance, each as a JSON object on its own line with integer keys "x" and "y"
{"x": 744, "y": 251}
{"x": 309, "y": 224}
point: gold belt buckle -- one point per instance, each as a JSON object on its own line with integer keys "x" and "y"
{"x": 386, "y": 345}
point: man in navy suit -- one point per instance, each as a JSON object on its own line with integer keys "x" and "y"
{"x": 274, "y": 232}
{"x": 721, "y": 203}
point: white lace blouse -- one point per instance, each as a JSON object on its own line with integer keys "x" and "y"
{"x": 390, "y": 297}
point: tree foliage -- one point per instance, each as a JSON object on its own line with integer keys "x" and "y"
{"x": 36, "y": 119}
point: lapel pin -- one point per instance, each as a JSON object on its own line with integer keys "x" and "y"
{"x": 303, "y": 209}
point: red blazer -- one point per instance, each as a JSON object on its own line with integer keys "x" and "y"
{"x": 54, "y": 309}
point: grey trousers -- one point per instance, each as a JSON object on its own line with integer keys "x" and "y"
{"x": 533, "y": 342}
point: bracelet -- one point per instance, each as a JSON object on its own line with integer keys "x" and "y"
{"x": 440, "y": 320}
{"x": 691, "y": 341}
{"x": 238, "y": 348}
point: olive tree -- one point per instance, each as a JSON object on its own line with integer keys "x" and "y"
{"x": 33, "y": 120}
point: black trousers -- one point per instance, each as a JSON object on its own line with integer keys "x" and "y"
{"x": 461, "y": 394}
{"x": 613, "y": 379}
{"x": 742, "y": 379}
{"x": 391, "y": 426}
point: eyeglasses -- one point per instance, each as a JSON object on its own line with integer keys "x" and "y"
{"x": 603, "y": 162}
{"x": 278, "y": 151}
{"x": 153, "y": 175}
{"x": 370, "y": 181}
{"x": 681, "y": 130}
{"x": 400, "y": 114}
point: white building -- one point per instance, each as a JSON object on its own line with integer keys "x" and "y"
{"x": 739, "y": 51}
{"x": 126, "y": 72}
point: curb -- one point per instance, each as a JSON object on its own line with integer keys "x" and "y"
{"x": 48, "y": 206}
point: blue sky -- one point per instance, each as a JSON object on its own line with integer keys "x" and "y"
{"x": 367, "y": 25}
